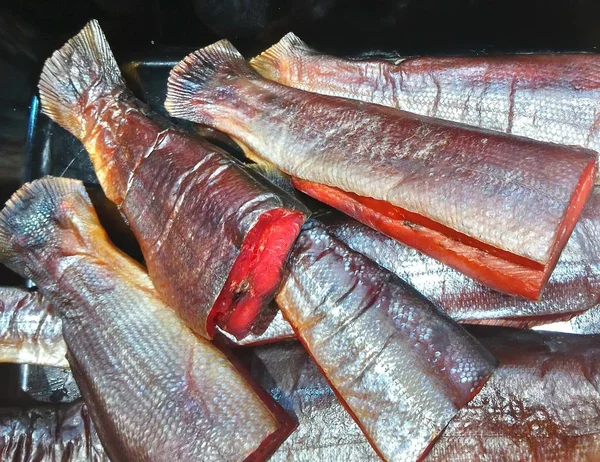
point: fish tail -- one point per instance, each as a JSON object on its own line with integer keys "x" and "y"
{"x": 32, "y": 216}
{"x": 271, "y": 62}
{"x": 200, "y": 76}
{"x": 80, "y": 72}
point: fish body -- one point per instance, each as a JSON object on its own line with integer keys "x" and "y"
{"x": 540, "y": 405}
{"x": 155, "y": 391}
{"x": 490, "y": 205}
{"x": 61, "y": 432}
{"x": 400, "y": 367}
{"x": 189, "y": 204}
{"x": 30, "y": 330}
{"x": 546, "y": 97}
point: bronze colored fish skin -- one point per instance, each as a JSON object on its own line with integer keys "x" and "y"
{"x": 30, "y": 330}
{"x": 546, "y": 97}
{"x": 541, "y": 405}
{"x": 190, "y": 205}
{"x": 155, "y": 391}
{"x": 497, "y": 208}
{"x": 48, "y": 434}
{"x": 573, "y": 287}
{"x": 402, "y": 368}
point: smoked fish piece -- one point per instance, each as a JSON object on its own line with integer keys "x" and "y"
{"x": 573, "y": 287}
{"x": 214, "y": 238}
{"x": 546, "y": 97}
{"x": 498, "y": 208}
{"x": 155, "y": 391}
{"x": 401, "y": 368}
{"x": 62, "y": 432}
{"x": 540, "y": 405}
{"x": 30, "y": 329}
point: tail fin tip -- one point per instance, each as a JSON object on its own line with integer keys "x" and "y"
{"x": 269, "y": 62}
{"x": 83, "y": 63}
{"x": 197, "y": 73}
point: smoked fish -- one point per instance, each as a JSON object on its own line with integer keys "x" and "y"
{"x": 50, "y": 433}
{"x": 155, "y": 391}
{"x": 546, "y": 97}
{"x": 498, "y": 208}
{"x": 540, "y": 405}
{"x": 401, "y": 368}
{"x": 214, "y": 238}
{"x": 30, "y": 329}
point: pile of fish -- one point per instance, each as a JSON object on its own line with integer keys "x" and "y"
{"x": 265, "y": 324}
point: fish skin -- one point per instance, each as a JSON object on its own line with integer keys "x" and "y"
{"x": 540, "y": 405}
{"x": 546, "y": 97}
{"x": 30, "y": 330}
{"x": 545, "y": 379}
{"x": 402, "y": 368}
{"x": 53, "y": 433}
{"x": 573, "y": 287}
{"x": 523, "y": 188}
{"x": 155, "y": 390}
{"x": 186, "y": 200}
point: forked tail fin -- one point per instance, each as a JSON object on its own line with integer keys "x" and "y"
{"x": 203, "y": 77}
{"x": 79, "y": 72}
{"x": 272, "y": 62}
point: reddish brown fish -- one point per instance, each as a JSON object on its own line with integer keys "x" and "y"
{"x": 541, "y": 405}
{"x": 401, "y": 368}
{"x": 30, "y": 329}
{"x": 61, "y": 432}
{"x": 213, "y": 236}
{"x": 495, "y": 207}
{"x": 546, "y": 97}
{"x": 155, "y": 390}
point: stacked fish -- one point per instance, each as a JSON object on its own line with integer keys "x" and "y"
{"x": 467, "y": 192}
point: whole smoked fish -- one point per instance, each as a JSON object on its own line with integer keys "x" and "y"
{"x": 155, "y": 390}
{"x": 400, "y": 367}
{"x": 495, "y": 207}
{"x": 30, "y": 329}
{"x": 214, "y": 239}
{"x": 546, "y": 97}
{"x": 52, "y": 433}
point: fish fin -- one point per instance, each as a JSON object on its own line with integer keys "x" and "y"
{"x": 27, "y": 217}
{"x": 275, "y": 176}
{"x": 81, "y": 71}
{"x": 271, "y": 61}
{"x": 196, "y": 78}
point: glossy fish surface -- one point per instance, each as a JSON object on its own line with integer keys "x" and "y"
{"x": 542, "y": 404}
{"x": 495, "y": 207}
{"x": 546, "y": 97}
{"x": 62, "y": 433}
{"x": 400, "y": 367}
{"x": 30, "y": 330}
{"x": 189, "y": 204}
{"x": 155, "y": 390}
{"x": 573, "y": 287}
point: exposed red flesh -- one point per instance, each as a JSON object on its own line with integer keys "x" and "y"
{"x": 256, "y": 272}
{"x": 501, "y": 270}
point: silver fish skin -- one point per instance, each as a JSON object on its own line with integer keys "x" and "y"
{"x": 30, "y": 330}
{"x": 573, "y": 287}
{"x": 402, "y": 368}
{"x": 62, "y": 432}
{"x": 155, "y": 391}
{"x": 325, "y": 432}
{"x": 546, "y": 97}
